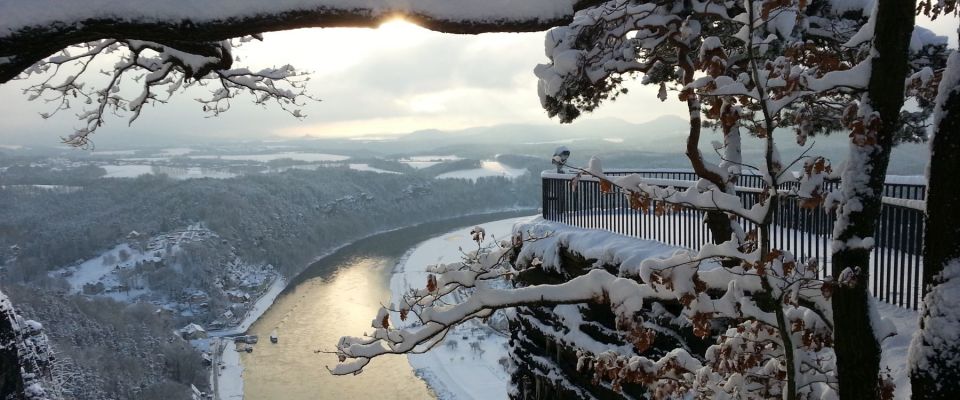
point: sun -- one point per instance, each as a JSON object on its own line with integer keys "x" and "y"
{"x": 403, "y": 31}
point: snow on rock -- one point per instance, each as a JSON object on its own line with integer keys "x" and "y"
{"x": 28, "y": 355}
{"x": 18, "y": 15}
{"x": 469, "y": 364}
{"x": 606, "y": 247}
{"x": 941, "y": 324}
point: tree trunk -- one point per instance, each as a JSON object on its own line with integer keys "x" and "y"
{"x": 858, "y": 353}
{"x": 717, "y": 221}
{"x": 935, "y": 362}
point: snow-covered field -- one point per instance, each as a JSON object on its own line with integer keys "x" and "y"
{"x": 175, "y": 151}
{"x": 308, "y": 157}
{"x": 135, "y": 170}
{"x": 103, "y": 269}
{"x": 367, "y": 167}
{"x": 116, "y": 273}
{"x": 127, "y": 171}
{"x": 432, "y": 158}
{"x": 487, "y": 168}
{"x": 467, "y": 365}
{"x": 51, "y": 188}
{"x": 420, "y": 162}
{"x": 113, "y": 152}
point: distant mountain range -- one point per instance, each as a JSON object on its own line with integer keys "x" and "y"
{"x": 656, "y": 143}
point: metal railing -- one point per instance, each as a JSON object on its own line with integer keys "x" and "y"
{"x": 896, "y": 261}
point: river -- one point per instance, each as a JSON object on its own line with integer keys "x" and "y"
{"x": 336, "y": 296}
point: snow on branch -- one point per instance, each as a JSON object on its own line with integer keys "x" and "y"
{"x": 748, "y": 356}
{"x": 151, "y": 72}
{"x": 30, "y": 31}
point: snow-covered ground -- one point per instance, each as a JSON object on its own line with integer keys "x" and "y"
{"x": 468, "y": 364}
{"x": 135, "y": 170}
{"x": 487, "y": 168}
{"x": 118, "y": 273}
{"x": 193, "y": 173}
{"x": 175, "y": 151}
{"x": 367, "y": 167}
{"x": 894, "y": 349}
{"x": 127, "y": 171}
{"x": 104, "y": 267}
{"x": 308, "y": 157}
{"x": 51, "y": 188}
{"x": 228, "y": 382}
{"x": 113, "y": 152}
{"x": 420, "y": 162}
{"x": 448, "y": 157}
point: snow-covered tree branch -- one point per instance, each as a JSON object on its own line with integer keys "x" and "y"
{"x": 30, "y": 33}
{"x": 150, "y": 72}
{"x": 754, "y": 65}
{"x": 696, "y": 280}
{"x": 172, "y": 45}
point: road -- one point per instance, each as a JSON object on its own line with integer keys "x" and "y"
{"x": 217, "y": 349}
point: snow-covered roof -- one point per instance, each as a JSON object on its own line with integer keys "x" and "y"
{"x": 192, "y": 328}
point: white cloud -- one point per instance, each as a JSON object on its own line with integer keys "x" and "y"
{"x": 395, "y": 79}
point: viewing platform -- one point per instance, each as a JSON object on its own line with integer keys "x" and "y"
{"x": 896, "y": 261}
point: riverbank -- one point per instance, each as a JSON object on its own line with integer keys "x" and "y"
{"x": 470, "y": 364}
{"x": 229, "y": 378}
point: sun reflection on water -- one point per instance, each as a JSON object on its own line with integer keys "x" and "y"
{"x": 313, "y": 317}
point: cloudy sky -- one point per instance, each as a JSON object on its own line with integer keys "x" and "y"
{"x": 395, "y": 79}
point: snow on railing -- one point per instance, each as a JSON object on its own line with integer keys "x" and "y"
{"x": 895, "y": 261}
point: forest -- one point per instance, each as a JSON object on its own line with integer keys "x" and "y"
{"x": 768, "y": 323}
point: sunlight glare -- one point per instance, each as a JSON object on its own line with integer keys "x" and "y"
{"x": 403, "y": 31}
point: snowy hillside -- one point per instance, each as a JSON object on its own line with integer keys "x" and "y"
{"x": 191, "y": 272}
